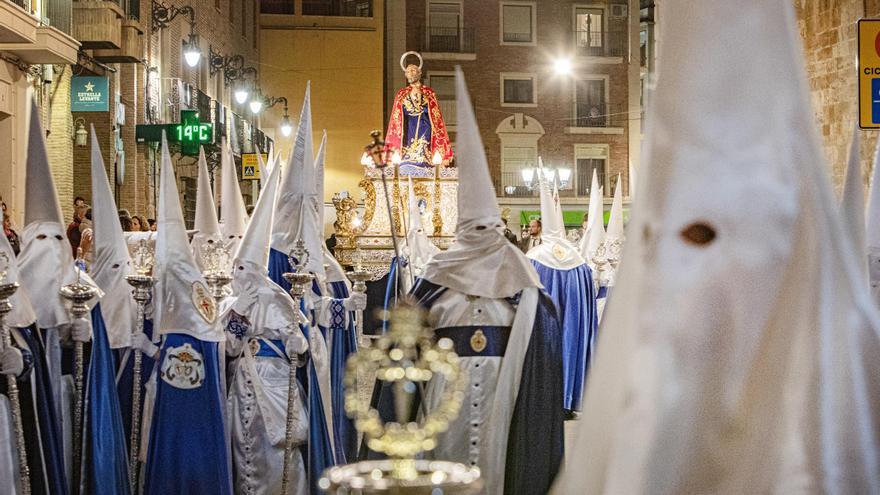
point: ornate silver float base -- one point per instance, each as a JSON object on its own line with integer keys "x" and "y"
{"x": 375, "y": 477}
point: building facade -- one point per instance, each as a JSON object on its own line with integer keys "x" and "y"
{"x": 337, "y": 45}
{"x": 129, "y": 58}
{"x": 557, "y": 80}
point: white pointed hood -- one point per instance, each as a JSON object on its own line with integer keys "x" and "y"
{"x": 420, "y": 248}
{"x": 182, "y": 300}
{"x": 22, "y": 314}
{"x": 742, "y": 356}
{"x": 45, "y": 262}
{"x": 206, "y": 224}
{"x": 111, "y": 263}
{"x": 274, "y": 308}
{"x": 594, "y": 236}
{"x": 333, "y": 269}
{"x": 233, "y": 213}
{"x": 482, "y": 262}
{"x": 555, "y": 250}
{"x": 265, "y": 168}
{"x": 615, "y": 218}
{"x": 296, "y": 216}
{"x": 852, "y": 203}
{"x": 254, "y": 247}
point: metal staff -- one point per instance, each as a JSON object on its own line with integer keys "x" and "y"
{"x": 377, "y": 152}
{"x": 359, "y": 278}
{"x": 299, "y": 281}
{"x": 79, "y": 294}
{"x": 6, "y": 292}
{"x": 142, "y": 286}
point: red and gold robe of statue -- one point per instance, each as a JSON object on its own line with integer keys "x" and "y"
{"x": 439, "y": 138}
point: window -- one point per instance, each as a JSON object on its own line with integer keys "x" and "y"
{"x": 444, "y": 26}
{"x": 591, "y": 109}
{"x": 514, "y": 158}
{"x": 518, "y": 90}
{"x": 443, "y": 84}
{"x": 338, "y": 8}
{"x": 588, "y": 157}
{"x": 589, "y": 28}
{"x": 518, "y": 23}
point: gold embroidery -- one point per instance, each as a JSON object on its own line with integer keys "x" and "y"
{"x": 478, "y": 341}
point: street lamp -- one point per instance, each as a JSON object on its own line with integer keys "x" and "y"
{"x": 256, "y": 104}
{"x": 562, "y": 66}
{"x": 528, "y": 174}
{"x": 564, "y": 176}
{"x": 81, "y": 135}
{"x": 191, "y": 52}
{"x": 161, "y": 17}
{"x": 286, "y": 128}
{"x": 241, "y": 93}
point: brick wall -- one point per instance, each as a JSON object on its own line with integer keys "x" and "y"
{"x": 828, "y": 29}
{"x": 555, "y": 94}
{"x": 56, "y": 118}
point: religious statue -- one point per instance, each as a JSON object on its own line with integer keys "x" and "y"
{"x": 416, "y": 137}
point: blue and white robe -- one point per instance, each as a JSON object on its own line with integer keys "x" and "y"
{"x": 572, "y": 292}
{"x": 318, "y": 450}
{"x": 187, "y": 450}
{"x": 105, "y": 449}
{"x": 511, "y": 408}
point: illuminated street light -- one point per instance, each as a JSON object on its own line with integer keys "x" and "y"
{"x": 191, "y": 52}
{"x": 562, "y": 66}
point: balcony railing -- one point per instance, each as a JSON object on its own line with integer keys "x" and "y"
{"x": 24, "y": 4}
{"x": 60, "y": 14}
{"x": 447, "y": 40}
{"x": 599, "y": 115}
{"x": 600, "y": 43}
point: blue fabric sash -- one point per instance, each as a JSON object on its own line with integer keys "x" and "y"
{"x": 392, "y": 292}
{"x": 603, "y": 292}
{"x": 318, "y": 451}
{"x": 572, "y": 293}
{"x": 267, "y": 351}
{"x": 344, "y": 344}
{"x": 187, "y": 451}
{"x": 106, "y": 459}
{"x": 490, "y": 342}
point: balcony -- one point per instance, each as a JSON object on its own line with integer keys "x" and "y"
{"x": 601, "y": 44}
{"x": 444, "y": 40}
{"x": 598, "y": 118}
{"x": 17, "y": 24}
{"x": 131, "y": 49}
{"x": 98, "y": 24}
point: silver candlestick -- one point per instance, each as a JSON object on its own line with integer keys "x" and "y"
{"x": 359, "y": 278}
{"x": 299, "y": 281}
{"x": 142, "y": 287}
{"x": 217, "y": 269}
{"x": 7, "y": 289}
{"x": 78, "y": 294}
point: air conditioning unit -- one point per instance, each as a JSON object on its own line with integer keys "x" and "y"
{"x": 618, "y": 10}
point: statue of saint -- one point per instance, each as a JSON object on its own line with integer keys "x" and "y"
{"x": 416, "y": 137}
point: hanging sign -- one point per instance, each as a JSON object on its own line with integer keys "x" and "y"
{"x": 89, "y": 94}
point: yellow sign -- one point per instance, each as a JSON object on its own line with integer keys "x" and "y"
{"x": 250, "y": 169}
{"x": 869, "y": 73}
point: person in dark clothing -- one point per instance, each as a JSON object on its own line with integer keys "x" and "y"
{"x": 509, "y": 235}
{"x": 74, "y": 235}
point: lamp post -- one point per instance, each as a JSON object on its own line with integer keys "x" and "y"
{"x": 285, "y": 126}
{"x": 161, "y": 17}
